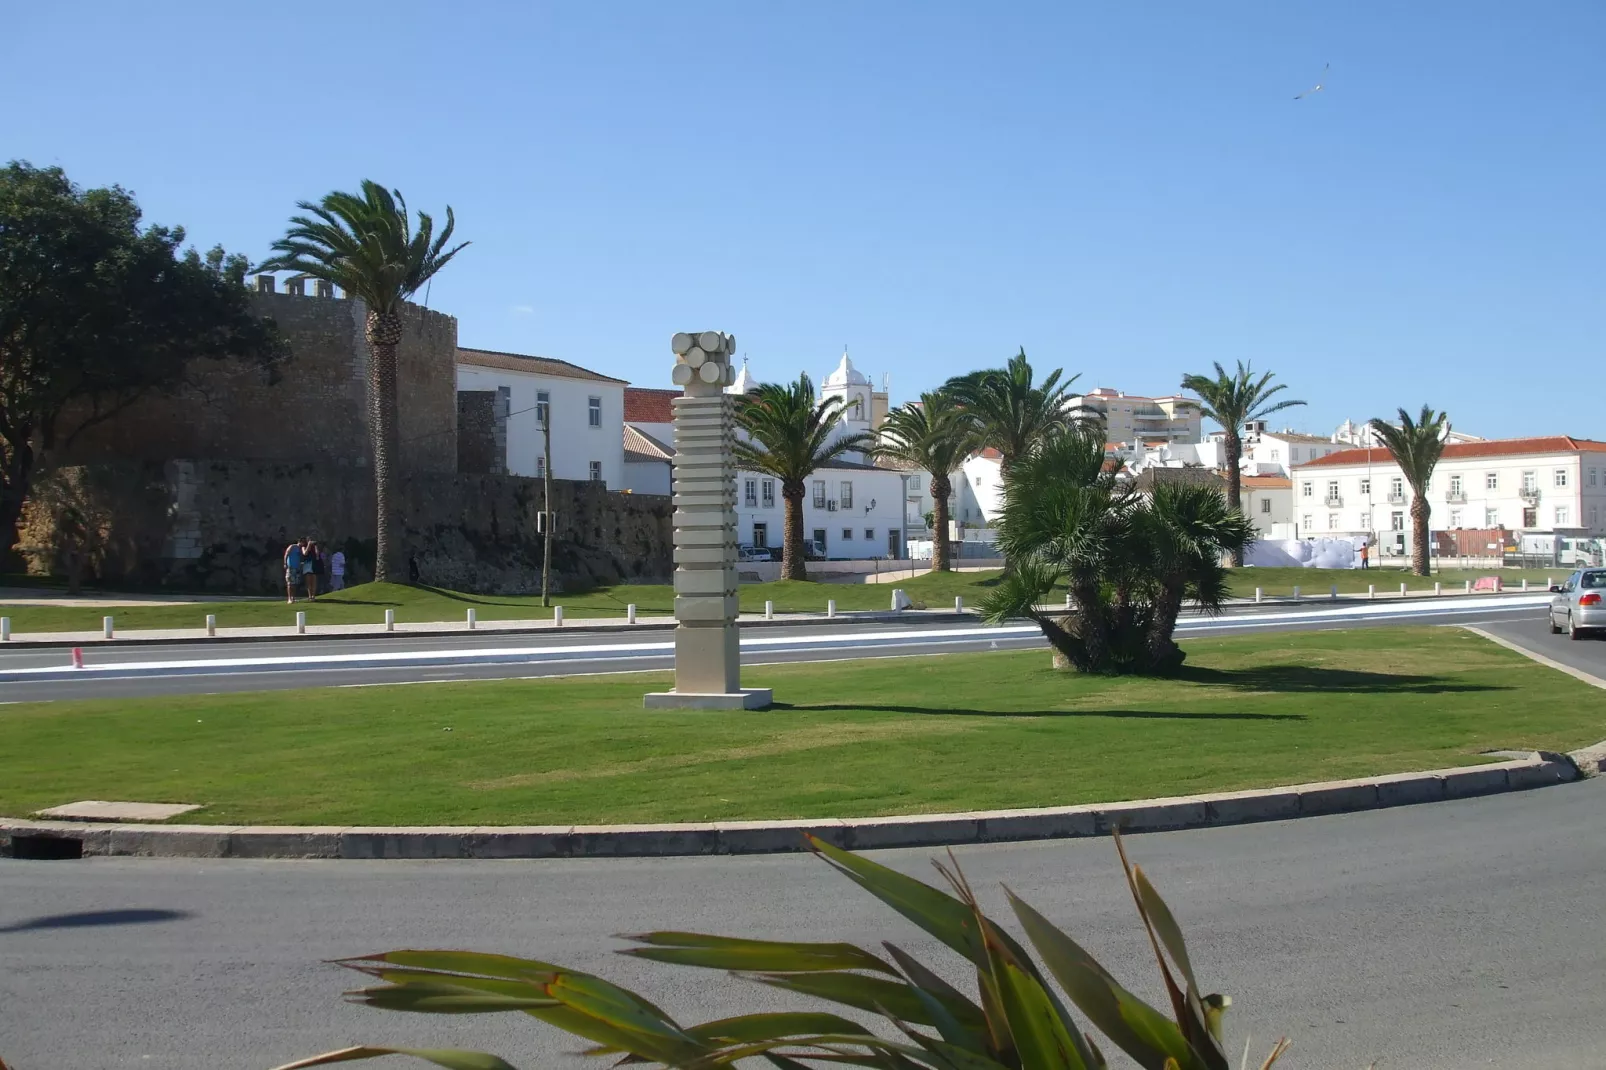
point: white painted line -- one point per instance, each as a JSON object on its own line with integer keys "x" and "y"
{"x": 1534, "y": 655}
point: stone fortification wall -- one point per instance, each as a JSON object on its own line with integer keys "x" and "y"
{"x": 222, "y": 525}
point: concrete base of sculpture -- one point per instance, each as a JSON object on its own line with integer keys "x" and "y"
{"x": 748, "y": 698}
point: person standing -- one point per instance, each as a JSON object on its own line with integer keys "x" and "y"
{"x": 292, "y": 570}
{"x": 1366, "y": 555}
{"x": 310, "y": 562}
{"x": 337, "y": 570}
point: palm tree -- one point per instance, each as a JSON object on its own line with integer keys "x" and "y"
{"x": 1232, "y": 401}
{"x": 935, "y": 436}
{"x": 1183, "y": 531}
{"x": 367, "y": 246}
{"x": 790, "y": 435}
{"x": 1012, "y": 414}
{"x": 1416, "y": 446}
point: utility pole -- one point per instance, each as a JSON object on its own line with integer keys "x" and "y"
{"x": 546, "y": 505}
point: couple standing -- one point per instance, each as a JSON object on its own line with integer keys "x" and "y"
{"x": 304, "y": 562}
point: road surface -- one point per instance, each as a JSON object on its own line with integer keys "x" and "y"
{"x": 198, "y": 667}
{"x": 1448, "y": 936}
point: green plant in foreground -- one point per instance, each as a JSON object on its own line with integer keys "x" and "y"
{"x": 1017, "y": 1021}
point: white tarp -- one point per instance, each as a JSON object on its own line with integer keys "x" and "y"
{"x": 1304, "y": 553}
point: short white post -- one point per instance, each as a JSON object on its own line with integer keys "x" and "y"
{"x": 1259, "y": 594}
{"x": 5, "y": 629}
{"x": 301, "y": 622}
{"x": 1468, "y": 585}
{"x": 769, "y": 609}
{"x": 472, "y": 620}
{"x": 830, "y": 607}
{"x": 1438, "y": 588}
{"x": 1402, "y": 590}
{"x": 630, "y": 613}
{"x": 1547, "y": 582}
{"x": 1067, "y": 599}
{"x": 390, "y": 620}
{"x": 557, "y": 616}
{"x": 106, "y": 627}
{"x": 959, "y": 603}
{"x": 211, "y": 624}
{"x": 1525, "y": 583}
{"x": 1332, "y": 592}
{"x": 1371, "y": 590}
{"x": 1296, "y": 594}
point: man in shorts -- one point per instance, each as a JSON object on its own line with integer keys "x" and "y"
{"x": 293, "y": 559}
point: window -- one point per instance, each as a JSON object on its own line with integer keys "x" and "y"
{"x": 543, "y": 405}
{"x": 1308, "y": 522}
{"x": 1332, "y": 490}
{"x": 869, "y": 534}
{"x": 1366, "y": 487}
{"x": 1530, "y": 517}
{"x": 847, "y": 494}
{"x": 819, "y": 541}
{"x": 1293, "y": 453}
{"x": 1491, "y": 518}
{"x": 1265, "y": 505}
{"x": 594, "y": 412}
{"x": 750, "y": 493}
{"x": 1564, "y": 516}
{"x": 1491, "y": 481}
{"x": 1530, "y": 481}
{"x": 1455, "y": 518}
{"x": 1561, "y": 477}
{"x": 1455, "y": 486}
{"x": 978, "y": 481}
{"x": 914, "y": 482}
{"x": 761, "y": 534}
{"x": 1592, "y": 477}
{"x": 1307, "y": 489}
{"x": 1396, "y": 487}
{"x": 1365, "y": 520}
{"x": 1594, "y": 516}
{"x": 769, "y": 493}
{"x": 847, "y": 534}
{"x": 1276, "y": 455}
{"x": 540, "y": 466}
{"x": 819, "y": 494}
{"x": 596, "y": 471}
{"x": 1332, "y": 521}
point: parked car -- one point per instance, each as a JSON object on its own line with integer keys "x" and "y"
{"x": 1579, "y": 603}
{"x": 755, "y": 553}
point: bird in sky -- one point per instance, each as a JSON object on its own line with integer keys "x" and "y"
{"x": 1321, "y": 83}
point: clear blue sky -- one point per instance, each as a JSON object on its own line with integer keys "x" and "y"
{"x": 1127, "y": 190}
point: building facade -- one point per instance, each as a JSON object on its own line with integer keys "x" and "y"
{"x": 1126, "y": 417}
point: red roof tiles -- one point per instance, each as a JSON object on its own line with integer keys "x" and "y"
{"x": 1500, "y": 447}
{"x": 644, "y": 405}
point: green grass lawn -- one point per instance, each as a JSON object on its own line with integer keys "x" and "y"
{"x": 366, "y": 604}
{"x": 929, "y": 734}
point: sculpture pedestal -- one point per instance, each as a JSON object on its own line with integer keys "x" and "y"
{"x": 748, "y": 698}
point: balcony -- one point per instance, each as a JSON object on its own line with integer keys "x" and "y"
{"x": 1456, "y": 497}
{"x": 1530, "y": 495}
{"x": 1333, "y": 500}
{"x": 1396, "y": 497}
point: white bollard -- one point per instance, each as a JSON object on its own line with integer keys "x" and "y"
{"x": 557, "y": 616}
{"x": 630, "y": 613}
{"x": 1259, "y": 594}
{"x": 959, "y": 603}
{"x": 830, "y": 607}
{"x": 211, "y": 624}
{"x": 1402, "y": 590}
{"x": 1438, "y": 588}
{"x": 473, "y": 620}
{"x": 106, "y": 627}
{"x": 769, "y": 609}
{"x": 1525, "y": 583}
{"x": 1468, "y": 585}
{"x": 1067, "y": 600}
{"x": 390, "y": 620}
{"x": 301, "y": 622}
{"x": 5, "y": 629}
{"x": 1371, "y": 590}
{"x": 1296, "y": 594}
{"x": 1332, "y": 592}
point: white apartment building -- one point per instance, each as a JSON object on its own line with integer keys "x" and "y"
{"x": 1172, "y": 418}
{"x": 587, "y": 413}
{"x": 1268, "y": 502}
{"x": 1550, "y": 483}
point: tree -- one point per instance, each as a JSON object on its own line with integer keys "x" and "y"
{"x": 1232, "y": 401}
{"x": 367, "y": 246}
{"x": 1128, "y": 562}
{"x": 1416, "y": 446}
{"x": 1011, "y": 412}
{"x": 935, "y": 436}
{"x": 791, "y": 435}
{"x": 97, "y": 313}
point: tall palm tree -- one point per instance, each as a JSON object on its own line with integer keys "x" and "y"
{"x": 790, "y": 434}
{"x": 1416, "y": 446}
{"x": 366, "y": 245}
{"x": 935, "y": 436}
{"x": 1012, "y": 413}
{"x": 1232, "y": 401}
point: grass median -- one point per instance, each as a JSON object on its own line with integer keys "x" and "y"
{"x": 875, "y": 737}
{"x": 366, "y": 604}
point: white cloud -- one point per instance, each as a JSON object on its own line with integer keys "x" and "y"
{"x": 522, "y": 310}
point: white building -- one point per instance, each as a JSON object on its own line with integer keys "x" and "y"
{"x": 1172, "y": 418}
{"x": 1268, "y": 502}
{"x": 1521, "y": 484}
{"x": 1267, "y": 452}
{"x": 587, "y": 413}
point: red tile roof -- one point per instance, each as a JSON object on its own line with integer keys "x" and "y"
{"x": 647, "y": 406}
{"x": 1500, "y": 447}
{"x": 1267, "y": 482}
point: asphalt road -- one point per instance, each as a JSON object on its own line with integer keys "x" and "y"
{"x": 1587, "y": 654}
{"x": 1447, "y": 936}
{"x": 205, "y": 668}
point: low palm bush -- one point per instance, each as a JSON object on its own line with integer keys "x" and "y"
{"x": 1015, "y": 1019}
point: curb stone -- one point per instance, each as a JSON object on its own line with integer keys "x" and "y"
{"x": 21, "y": 838}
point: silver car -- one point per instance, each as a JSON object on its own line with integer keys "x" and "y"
{"x": 1579, "y": 603}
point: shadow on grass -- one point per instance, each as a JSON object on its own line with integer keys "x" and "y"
{"x": 1305, "y": 679}
{"x": 1136, "y": 715}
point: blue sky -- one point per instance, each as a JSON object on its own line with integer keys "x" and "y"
{"x": 1127, "y": 190}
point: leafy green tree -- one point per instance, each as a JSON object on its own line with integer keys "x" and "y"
{"x": 1233, "y": 401}
{"x": 96, "y": 313}
{"x": 368, "y": 247}
{"x": 936, "y": 436}
{"x": 1012, "y": 412}
{"x": 1128, "y": 562}
{"x": 1416, "y": 446}
{"x": 790, "y": 434}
